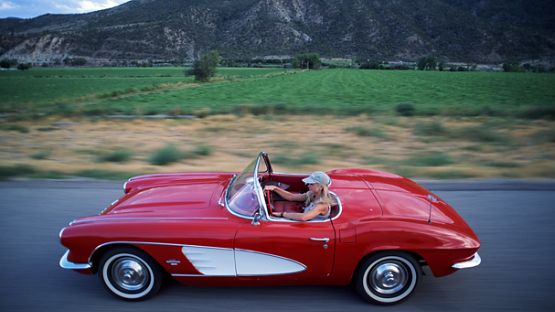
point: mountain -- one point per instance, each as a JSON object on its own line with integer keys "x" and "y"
{"x": 483, "y": 31}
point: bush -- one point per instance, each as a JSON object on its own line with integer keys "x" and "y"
{"x": 12, "y": 127}
{"x": 366, "y": 132}
{"x": 7, "y": 63}
{"x": 203, "y": 150}
{"x": 23, "y": 66}
{"x": 538, "y": 112}
{"x": 482, "y": 134}
{"x": 166, "y": 155}
{"x": 7, "y": 172}
{"x": 40, "y": 155}
{"x": 430, "y": 129}
{"x": 120, "y": 155}
{"x": 205, "y": 68}
{"x": 405, "y": 109}
{"x": 427, "y": 63}
{"x": 307, "y": 61}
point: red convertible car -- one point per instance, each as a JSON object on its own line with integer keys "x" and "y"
{"x": 218, "y": 229}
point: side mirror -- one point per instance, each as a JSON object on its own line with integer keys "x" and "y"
{"x": 256, "y": 219}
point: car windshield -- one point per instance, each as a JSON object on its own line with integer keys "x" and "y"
{"x": 243, "y": 194}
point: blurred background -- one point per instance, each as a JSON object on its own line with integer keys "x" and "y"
{"x": 442, "y": 90}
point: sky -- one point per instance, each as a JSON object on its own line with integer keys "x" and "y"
{"x": 33, "y": 8}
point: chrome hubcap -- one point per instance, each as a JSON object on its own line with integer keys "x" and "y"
{"x": 388, "y": 278}
{"x": 129, "y": 274}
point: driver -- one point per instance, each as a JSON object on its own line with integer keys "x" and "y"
{"x": 317, "y": 200}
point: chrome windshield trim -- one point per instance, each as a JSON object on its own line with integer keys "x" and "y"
{"x": 226, "y": 202}
{"x": 474, "y": 262}
{"x": 262, "y": 209}
{"x": 66, "y": 264}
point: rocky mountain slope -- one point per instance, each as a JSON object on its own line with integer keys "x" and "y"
{"x": 483, "y": 31}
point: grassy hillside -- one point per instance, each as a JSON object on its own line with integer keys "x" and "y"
{"x": 99, "y": 91}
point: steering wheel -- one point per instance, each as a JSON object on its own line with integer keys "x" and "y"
{"x": 269, "y": 203}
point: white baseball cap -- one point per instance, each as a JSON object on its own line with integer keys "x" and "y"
{"x": 318, "y": 177}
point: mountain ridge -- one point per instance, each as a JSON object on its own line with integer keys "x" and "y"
{"x": 482, "y": 31}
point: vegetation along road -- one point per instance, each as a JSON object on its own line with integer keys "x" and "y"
{"x": 60, "y": 122}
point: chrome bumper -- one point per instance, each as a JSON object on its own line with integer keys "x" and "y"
{"x": 475, "y": 261}
{"x": 66, "y": 264}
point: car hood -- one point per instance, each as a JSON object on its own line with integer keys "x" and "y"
{"x": 170, "y": 196}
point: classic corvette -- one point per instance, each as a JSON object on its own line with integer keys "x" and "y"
{"x": 217, "y": 228}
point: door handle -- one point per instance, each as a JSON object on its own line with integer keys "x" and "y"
{"x": 320, "y": 239}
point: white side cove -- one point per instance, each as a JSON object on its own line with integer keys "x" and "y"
{"x": 212, "y": 261}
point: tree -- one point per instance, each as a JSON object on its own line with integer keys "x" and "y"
{"x": 205, "y": 68}
{"x": 7, "y": 63}
{"x": 427, "y": 63}
{"x": 23, "y": 66}
{"x": 307, "y": 61}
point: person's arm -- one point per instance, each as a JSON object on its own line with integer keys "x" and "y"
{"x": 305, "y": 216}
{"x": 285, "y": 194}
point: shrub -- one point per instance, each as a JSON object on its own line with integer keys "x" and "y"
{"x": 12, "y": 127}
{"x": 23, "y": 66}
{"x": 7, "y": 63}
{"x": 166, "y": 155}
{"x": 7, "y": 172}
{"x": 427, "y": 63}
{"x": 538, "y": 112}
{"x": 363, "y": 131}
{"x": 205, "y": 68}
{"x": 203, "y": 150}
{"x": 405, "y": 109}
{"x": 430, "y": 129}
{"x": 482, "y": 134}
{"x": 40, "y": 155}
{"x": 307, "y": 61}
{"x": 120, "y": 155}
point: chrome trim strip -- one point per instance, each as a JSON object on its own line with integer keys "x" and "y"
{"x": 475, "y": 261}
{"x": 198, "y": 275}
{"x": 146, "y": 218}
{"x": 66, "y": 264}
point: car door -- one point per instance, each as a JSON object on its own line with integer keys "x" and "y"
{"x": 282, "y": 249}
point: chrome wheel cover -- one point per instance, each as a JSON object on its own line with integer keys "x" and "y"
{"x": 129, "y": 274}
{"x": 388, "y": 278}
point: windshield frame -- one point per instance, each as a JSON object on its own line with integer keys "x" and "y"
{"x": 251, "y": 171}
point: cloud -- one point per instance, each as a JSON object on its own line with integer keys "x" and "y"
{"x": 7, "y": 5}
{"x": 32, "y": 8}
{"x": 89, "y": 6}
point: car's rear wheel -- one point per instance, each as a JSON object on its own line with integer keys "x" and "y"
{"x": 387, "y": 278}
{"x": 129, "y": 274}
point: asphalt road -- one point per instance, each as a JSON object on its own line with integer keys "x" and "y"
{"x": 514, "y": 220}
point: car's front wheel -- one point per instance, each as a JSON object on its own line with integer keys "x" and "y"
{"x": 387, "y": 278}
{"x": 129, "y": 274}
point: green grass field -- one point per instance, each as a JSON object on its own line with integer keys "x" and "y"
{"x": 99, "y": 91}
